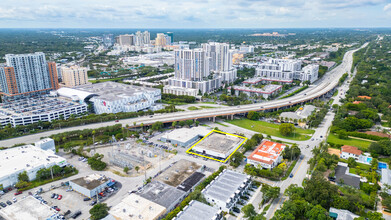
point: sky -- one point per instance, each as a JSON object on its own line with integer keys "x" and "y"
{"x": 194, "y": 13}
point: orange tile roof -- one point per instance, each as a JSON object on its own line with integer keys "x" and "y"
{"x": 351, "y": 149}
{"x": 267, "y": 152}
{"x": 357, "y": 102}
{"x": 364, "y": 97}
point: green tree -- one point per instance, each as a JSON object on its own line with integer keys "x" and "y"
{"x": 249, "y": 211}
{"x": 96, "y": 162}
{"x": 352, "y": 163}
{"x": 236, "y": 159}
{"x": 174, "y": 123}
{"x": 317, "y": 213}
{"x": 286, "y": 129}
{"x": 126, "y": 169}
{"x": 23, "y": 177}
{"x": 99, "y": 211}
{"x": 137, "y": 168}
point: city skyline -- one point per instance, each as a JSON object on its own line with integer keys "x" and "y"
{"x": 195, "y": 14}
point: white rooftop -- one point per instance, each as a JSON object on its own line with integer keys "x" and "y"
{"x": 136, "y": 207}
{"x": 185, "y": 134}
{"x": 29, "y": 208}
{"x": 197, "y": 210}
{"x": 25, "y": 158}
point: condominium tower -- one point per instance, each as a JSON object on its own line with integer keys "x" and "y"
{"x": 27, "y": 73}
{"x": 74, "y": 76}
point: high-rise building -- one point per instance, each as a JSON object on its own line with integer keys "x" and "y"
{"x": 27, "y": 73}
{"x": 221, "y": 58}
{"x": 125, "y": 40}
{"x": 191, "y": 64}
{"x": 171, "y": 35}
{"x": 147, "y": 37}
{"x": 74, "y": 76}
{"x": 108, "y": 40}
{"x": 160, "y": 40}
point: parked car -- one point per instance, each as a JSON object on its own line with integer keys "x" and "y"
{"x": 56, "y": 196}
{"x": 9, "y": 202}
{"x": 93, "y": 203}
{"x": 18, "y": 192}
{"x": 116, "y": 120}
{"x": 14, "y": 199}
{"x": 67, "y": 213}
{"x": 291, "y": 175}
{"x": 53, "y": 195}
{"x": 2, "y": 204}
{"x": 86, "y": 199}
{"x": 76, "y": 214}
{"x": 59, "y": 197}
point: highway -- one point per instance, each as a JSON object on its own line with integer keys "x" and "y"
{"x": 318, "y": 89}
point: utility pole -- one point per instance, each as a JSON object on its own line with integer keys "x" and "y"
{"x": 51, "y": 171}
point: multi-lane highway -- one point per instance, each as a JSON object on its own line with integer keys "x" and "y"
{"x": 320, "y": 88}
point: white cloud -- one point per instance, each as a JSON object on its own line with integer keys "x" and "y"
{"x": 178, "y": 13}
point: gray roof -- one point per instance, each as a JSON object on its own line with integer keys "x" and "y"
{"x": 226, "y": 184}
{"x": 197, "y": 210}
{"x": 386, "y": 176}
{"x": 178, "y": 172}
{"x": 307, "y": 111}
{"x": 340, "y": 173}
{"x": 343, "y": 214}
{"x": 218, "y": 142}
{"x": 161, "y": 193}
{"x": 290, "y": 115}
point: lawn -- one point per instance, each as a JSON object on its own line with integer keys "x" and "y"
{"x": 272, "y": 129}
{"x": 192, "y": 108}
{"x": 362, "y": 144}
{"x": 204, "y": 106}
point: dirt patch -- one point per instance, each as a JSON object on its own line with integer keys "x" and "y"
{"x": 379, "y": 134}
{"x": 334, "y": 151}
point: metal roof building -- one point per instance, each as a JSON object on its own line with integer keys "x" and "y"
{"x": 197, "y": 210}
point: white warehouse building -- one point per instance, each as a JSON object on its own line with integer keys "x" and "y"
{"x": 27, "y": 158}
{"x": 225, "y": 191}
{"x": 111, "y": 97}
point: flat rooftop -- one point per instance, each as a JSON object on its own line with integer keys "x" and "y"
{"x": 225, "y": 185}
{"x": 218, "y": 142}
{"x": 267, "y": 89}
{"x": 91, "y": 181}
{"x": 178, "y": 172}
{"x": 25, "y": 158}
{"x": 35, "y": 105}
{"x": 197, "y": 210}
{"x": 161, "y": 193}
{"x": 137, "y": 207}
{"x": 111, "y": 91}
{"x": 186, "y": 134}
{"x": 29, "y": 208}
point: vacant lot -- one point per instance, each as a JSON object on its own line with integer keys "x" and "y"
{"x": 362, "y": 144}
{"x": 272, "y": 129}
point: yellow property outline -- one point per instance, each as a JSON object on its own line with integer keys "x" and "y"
{"x": 245, "y": 139}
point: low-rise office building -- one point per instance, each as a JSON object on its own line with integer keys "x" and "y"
{"x": 266, "y": 92}
{"x": 46, "y": 144}
{"x": 218, "y": 145}
{"x": 27, "y": 158}
{"x": 185, "y": 136}
{"x": 90, "y": 185}
{"x": 28, "y": 208}
{"x": 197, "y": 210}
{"x": 135, "y": 207}
{"x": 185, "y": 175}
{"x": 225, "y": 191}
{"x": 160, "y": 193}
{"x": 268, "y": 154}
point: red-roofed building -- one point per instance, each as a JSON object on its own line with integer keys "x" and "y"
{"x": 364, "y": 97}
{"x": 357, "y": 102}
{"x": 268, "y": 154}
{"x": 350, "y": 151}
